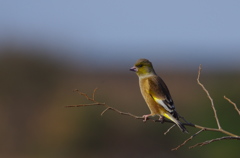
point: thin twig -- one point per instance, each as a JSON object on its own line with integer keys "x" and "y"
{"x": 210, "y": 98}
{"x": 94, "y": 91}
{"x": 85, "y": 95}
{"x": 82, "y": 105}
{"x": 190, "y": 138}
{"x": 213, "y": 140}
{"x": 234, "y": 104}
{"x": 122, "y": 113}
{"x": 169, "y": 129}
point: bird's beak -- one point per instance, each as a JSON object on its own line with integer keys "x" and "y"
{"x": 134, "y": 69}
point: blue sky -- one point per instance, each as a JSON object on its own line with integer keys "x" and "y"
{"x": 108, "y": 30}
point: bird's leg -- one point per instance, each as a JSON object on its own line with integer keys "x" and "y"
{"x": 146, "y": 117}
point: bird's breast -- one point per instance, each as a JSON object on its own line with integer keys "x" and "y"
{"x": 153, "y": 106}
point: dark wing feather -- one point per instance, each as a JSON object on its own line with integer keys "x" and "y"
{"x": 159, "y": 91}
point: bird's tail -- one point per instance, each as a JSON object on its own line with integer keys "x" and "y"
{"x": 181, "y": 126}
{"x": 177, "y": 122}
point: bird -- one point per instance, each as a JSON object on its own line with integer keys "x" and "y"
{"x": 155, "y": 93}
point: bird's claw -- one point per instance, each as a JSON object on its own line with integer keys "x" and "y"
{"x": 161, "y": 119}
{"x": 145, "y": 117}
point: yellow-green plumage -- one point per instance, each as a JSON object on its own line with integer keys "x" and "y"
{"x": 155, "y": 92}
{"x": 147, "y": 88}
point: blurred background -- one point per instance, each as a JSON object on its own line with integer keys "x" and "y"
{"x": 49, "y": 48}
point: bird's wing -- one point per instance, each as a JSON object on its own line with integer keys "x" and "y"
{"x": 160, "y": 93}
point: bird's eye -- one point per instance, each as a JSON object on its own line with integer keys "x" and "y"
{"x": 140, "y": 65}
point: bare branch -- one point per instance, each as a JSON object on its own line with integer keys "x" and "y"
{"x": 210, "y": 98}
{"x": 190, "y": 138}
{"x": 122, "y": 113}
{"x": 82, "y": 105}
{"x": 216, "y": 117}
{"x": 85, "y": 95}
{"x": 213, "y": 140}
{"x": 235, "y": 106}
{"x": 215, "y": 130}
{"x": 169, "y": 129}
{"x": 93, "y": 95}
{"x": 140, "y": 117}
{"x": 185, "y": 122}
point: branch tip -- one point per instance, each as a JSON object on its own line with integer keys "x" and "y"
{"x": 234, "y": 104}
{"x": 209, "y": 97}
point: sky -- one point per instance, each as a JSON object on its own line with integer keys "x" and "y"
{"x": 170, "y": 32}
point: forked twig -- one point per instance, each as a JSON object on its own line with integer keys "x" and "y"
{"x": 213, "y": 140}
{"x": 187, "y": 140}
{"x": 216, "y": 117}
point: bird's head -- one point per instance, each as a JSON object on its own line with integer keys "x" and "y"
{"x": 143, "y": 67}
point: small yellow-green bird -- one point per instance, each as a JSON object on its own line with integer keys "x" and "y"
{"x": 156, "y": 93}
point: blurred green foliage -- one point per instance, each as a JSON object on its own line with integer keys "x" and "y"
{"x": 34, "y": 123}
